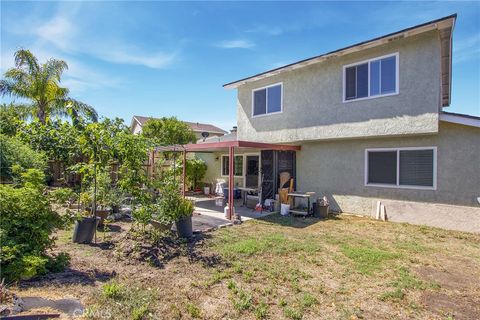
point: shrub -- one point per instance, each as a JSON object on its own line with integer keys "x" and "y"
{"x": 62, "y": 195}
{"x": 33, "y": 178}
{"x": 14, "y": 152}
{"x": 26, "y": 223}
{"x": 195, "y": 171}
{"x": 143, "y": 214}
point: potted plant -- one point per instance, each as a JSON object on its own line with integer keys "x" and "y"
{"x": 183, "y": 218}
{"x": 85, "y": 201}
{"x": 103, "y": 195}
{"x": 172, "y": 207}
{"x": 84, "y": 229}
{"x": 160, "y": 221}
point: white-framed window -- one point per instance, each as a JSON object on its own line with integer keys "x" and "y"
{"x": 237, "y": 166}
{"x": 377, "y": 77}
{"x": 414, "y": 168}
{"x": 267, "y": 100}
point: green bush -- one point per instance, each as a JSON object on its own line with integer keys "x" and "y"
{"x": 143, "y": 214}
{"x": 62, "y": 195}
{"x": 195, "y": 171}
{"x": 14, "y": 152}
{"x": 26, "y": 225}
{"x": 172, "y": 206}
{"x": 33, "y": 178}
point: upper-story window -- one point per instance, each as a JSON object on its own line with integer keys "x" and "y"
{"x": 267, "y": 100}
{"x": 372, "y": 78}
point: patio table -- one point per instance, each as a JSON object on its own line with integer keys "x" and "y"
{"x": 303, "y": 195}
{"x": 244, "y": 191}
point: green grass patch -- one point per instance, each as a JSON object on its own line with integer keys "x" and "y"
{"x": 293, "y": 313}
{"x": 272, "y": 243}
{"x": 242, "y": 299}
{"x": 261, "y": 310}
{"x": 193, "y": 310}
{"x": 121, "y": 301}
{"x": 307, "y": 300}
{"x": 411, "y": 246}
{"x": 367, "y": 259}
{"x": 112, "y": 290}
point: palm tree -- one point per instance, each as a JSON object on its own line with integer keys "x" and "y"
{"x": 41, "y": 85}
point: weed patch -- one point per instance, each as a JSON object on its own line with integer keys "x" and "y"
{"x": 193, "y": 310}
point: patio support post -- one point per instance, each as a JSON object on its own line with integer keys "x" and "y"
{"x": 230, "y": 182}
{"x": 184, "y": 170}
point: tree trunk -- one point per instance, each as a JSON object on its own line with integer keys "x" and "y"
{"x": 41, "y": 114}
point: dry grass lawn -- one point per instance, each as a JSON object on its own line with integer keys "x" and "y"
{"x": 279, "y": 268}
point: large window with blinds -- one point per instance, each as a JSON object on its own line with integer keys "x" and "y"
{"x": 401, "y": 167}
{"x": 371, "y": 78}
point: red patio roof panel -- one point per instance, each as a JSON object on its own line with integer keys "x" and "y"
{"x": 240, "y": 144}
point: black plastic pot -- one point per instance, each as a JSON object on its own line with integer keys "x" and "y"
{"x": 85, "y": 229}
{"x": 184, "y": 227}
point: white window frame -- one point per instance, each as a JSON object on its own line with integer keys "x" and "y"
{"x": 243, "y": 165}
{"x": 398, "y": 185}
{"x": 397, "y": 77}
{"x": 266, "y": 100}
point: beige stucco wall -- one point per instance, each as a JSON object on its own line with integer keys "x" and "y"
{"x": 337, "y": 169}
{"x": 312, "y": 98}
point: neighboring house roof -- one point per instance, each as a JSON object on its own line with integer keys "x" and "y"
{"x": 444, "y": 24}
{"x": 232, "y": 136}
{"x": 459, "y": 118}
{"x": 195, "y": 126}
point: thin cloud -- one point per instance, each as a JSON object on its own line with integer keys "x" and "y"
{"x": 268, "y": 30}
{"x": 157, "y": 60}
{"x": 65, "y": 35}
{"x": 235, "y": 44}
{"x": 59, "y": 31}
{"x": 466, "y": 49}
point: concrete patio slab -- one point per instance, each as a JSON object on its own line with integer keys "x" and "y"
{"x": 206, "y": 206}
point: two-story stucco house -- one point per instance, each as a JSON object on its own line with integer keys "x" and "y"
{"x": 370, "y": 125}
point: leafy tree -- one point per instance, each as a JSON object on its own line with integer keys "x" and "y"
{"x": 14, "y": 153}
{"x": 40, "y": 84}
{"x": 12, "y": 118}
{"x": 168, "y": 131}
{"x": 132, "y": 153}
{"x": 95, "y": 142}
{"x": 57, "y": 139}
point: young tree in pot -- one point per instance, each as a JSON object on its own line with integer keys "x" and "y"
{"x": 183, "y": 220}
{"x": 95, "y": 142}
{"x": 174, "y": 208}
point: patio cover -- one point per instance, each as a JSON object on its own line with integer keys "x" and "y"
{"x": 230, "y": 146}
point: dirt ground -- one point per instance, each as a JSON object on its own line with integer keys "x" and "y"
{"x": 275, "y": 268}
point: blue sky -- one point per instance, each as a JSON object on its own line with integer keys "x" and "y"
{"x": 171, "y": 58}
